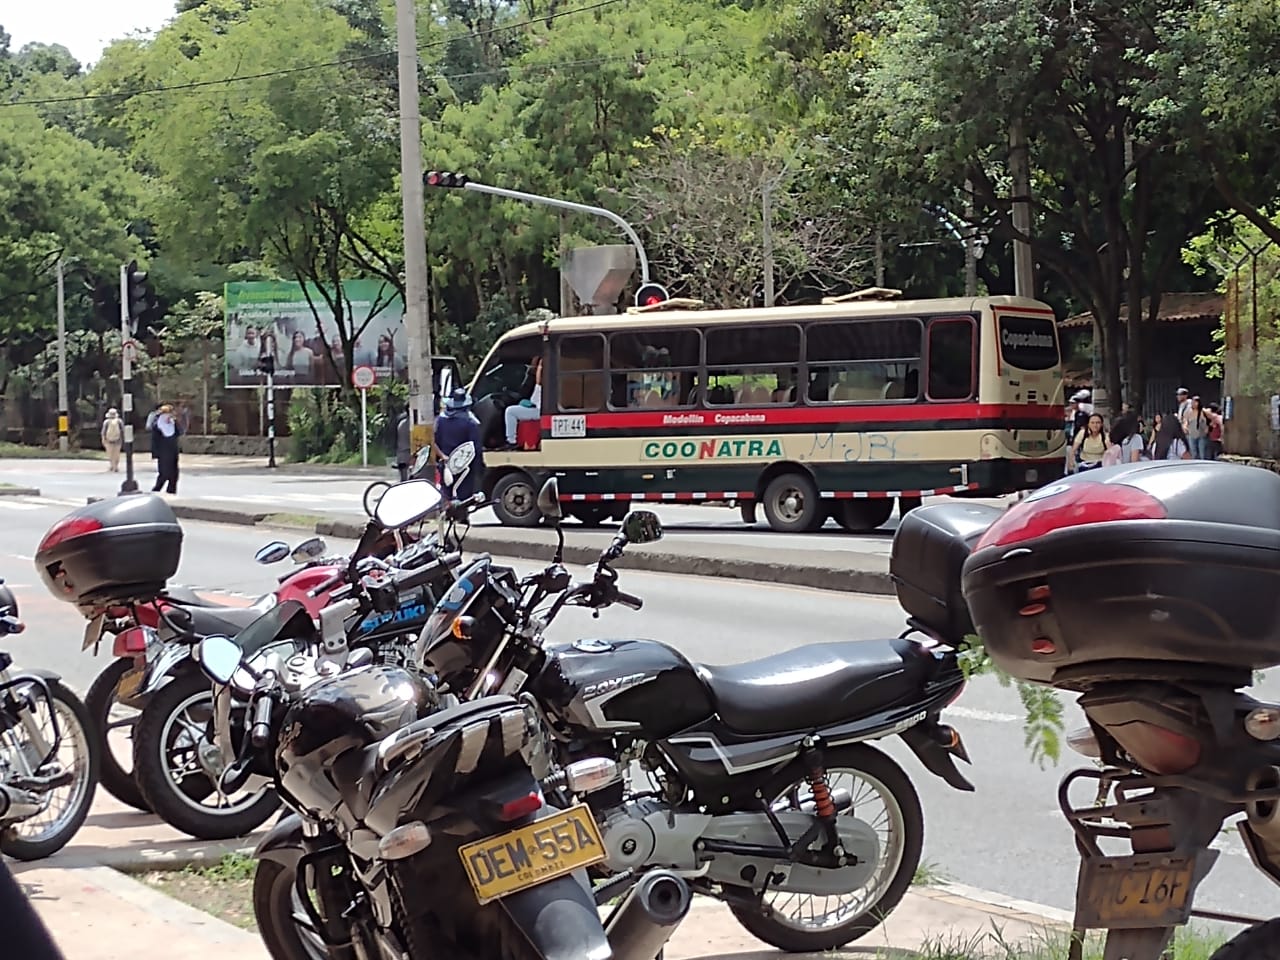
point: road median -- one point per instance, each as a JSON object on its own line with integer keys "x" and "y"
{"x": 842, "y": 571}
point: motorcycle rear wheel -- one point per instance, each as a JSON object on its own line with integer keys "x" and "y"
{"x": 1261, "y": 942}
{"x": 902, "y": 807}
{"x": 100, "y": 699}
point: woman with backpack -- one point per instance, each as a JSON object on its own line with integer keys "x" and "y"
{"x": 1170, "y": 442}
{"x": 1091, "y": 444}
{"x": 113, "y": 439}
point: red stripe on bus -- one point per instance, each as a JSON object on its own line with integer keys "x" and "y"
{"x": 878, "y": 413}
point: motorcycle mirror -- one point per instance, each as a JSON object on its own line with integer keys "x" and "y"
{"x": 220, "y": 657}
{"x": 406, "y": 503}
{"x": 273, "y": 552}
{"x": 372, "y": 494}
{"x": 642, "y": 526}
{"x": 461, "y": 458}
{"x": 309, "y": 549}
{"x": 421, "y": 462}
{"x": 549, "y": 501}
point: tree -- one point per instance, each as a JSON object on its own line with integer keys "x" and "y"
{"x": 701, "y": 203}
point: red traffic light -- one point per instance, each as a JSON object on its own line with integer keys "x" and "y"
{"x": 444, "y": 178}
{"x": 651, "y": 294}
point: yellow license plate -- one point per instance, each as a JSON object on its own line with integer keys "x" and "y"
{"x": 1133, "y": 894}
{"x": 524, "y": 858}
{"x": 130, "y": 683}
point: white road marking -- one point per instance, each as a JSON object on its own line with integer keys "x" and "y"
{"x": 986, "y": 716}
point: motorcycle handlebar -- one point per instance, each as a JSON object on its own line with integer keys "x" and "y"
{"x": 324, "y": 586}
{"x": 260, "y": 733}
{"x": 628, "y": 600}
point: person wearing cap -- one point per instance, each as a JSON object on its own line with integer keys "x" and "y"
{"x": 113, "y": 439}
{"x": 455, "y": 427}
{"x": 1184, "y": 401}
{"x": 1078, "y": 415}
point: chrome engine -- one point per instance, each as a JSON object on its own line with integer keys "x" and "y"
{"x": 646, "y": 833}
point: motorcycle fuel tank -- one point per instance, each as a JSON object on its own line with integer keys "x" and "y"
{"x": 348, "y": 712}
{"x": 619, "y": 685}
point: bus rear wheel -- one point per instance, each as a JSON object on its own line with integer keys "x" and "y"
{"x": 792, "y": 505}
{"x": 863, "y": 515}
{"x": 515, "y": 501}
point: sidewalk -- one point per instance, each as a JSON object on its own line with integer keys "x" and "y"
{"x": 98, "y": 913}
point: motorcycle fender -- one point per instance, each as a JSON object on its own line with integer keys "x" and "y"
{"x": 29, "y": 673}
{"x": 936, "y": 758}
{"x": 560, "y": 918}
{"x": 162, "y": 670}
{"x": 283, "y": 843}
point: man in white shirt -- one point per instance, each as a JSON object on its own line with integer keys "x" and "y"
{"x": 1184, "y": 401}
{"x": 530, "y": 409}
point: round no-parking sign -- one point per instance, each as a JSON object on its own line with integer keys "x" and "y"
{"x": 363, "y": 378}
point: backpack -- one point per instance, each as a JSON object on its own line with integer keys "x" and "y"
{"x": 113, "y": 432}
{"x": 1112, "y": 457}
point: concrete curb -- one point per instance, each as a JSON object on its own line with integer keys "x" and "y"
{"x": 990, "y": 898}
{"x": 764, "y": 570}
{"x": 19, "y": 491}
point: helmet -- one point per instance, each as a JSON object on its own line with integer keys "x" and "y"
{"x": 1080, "y": 396}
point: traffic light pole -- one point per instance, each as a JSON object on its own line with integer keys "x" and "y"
{"x": 570, "y": 205}
{"x": 130, "y": 485}
{"x": 271, "y": 421}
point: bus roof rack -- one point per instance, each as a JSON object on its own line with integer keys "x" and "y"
{"x": 869, "y": 293}
{"x": 675, "y": 303}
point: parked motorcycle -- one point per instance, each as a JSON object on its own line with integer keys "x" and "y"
{"x": 48, "y": 758}
{"x": 1153, "y": 592}
{"x": 746, "y": 763}
{"x": 420, "y": 832}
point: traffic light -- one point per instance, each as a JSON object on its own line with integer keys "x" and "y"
{"x": 141, "y": 297}
{"x": 267, "y": 364}
{"x": 650, "y": 294}
{"x": 443, "y": 178}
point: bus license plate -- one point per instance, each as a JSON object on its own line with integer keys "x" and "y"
{"x": 550, "y": 848}
{"x": 1125, "y": 893}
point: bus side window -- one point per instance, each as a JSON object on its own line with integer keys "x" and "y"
{"x": 653, "y": 369}
{"x": 864, "y": 361}
{"x": 950, "y": 359}
{"x": 580, "y": 372}
{"x": 752, "y": 366}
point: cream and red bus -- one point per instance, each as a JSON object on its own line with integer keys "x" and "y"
{"x": 811, "y": 412}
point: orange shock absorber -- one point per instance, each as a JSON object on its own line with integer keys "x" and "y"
{"x": 826, "y": 809}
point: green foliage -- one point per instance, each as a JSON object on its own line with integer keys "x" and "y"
{"x": 469, "y": 342}
{"x": 1043, "y": 719}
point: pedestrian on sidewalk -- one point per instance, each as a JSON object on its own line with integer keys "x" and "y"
{"x": 404, "y": 452}
{"x": 1196, "y": 427}
{"x": 113, "y": 439}
{"x": 164, "y": 447}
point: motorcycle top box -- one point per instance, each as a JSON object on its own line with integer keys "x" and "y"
{"x": 929, "y": 551}
{"x": 117, "y": 550}
{"x": 1167, "y": 569}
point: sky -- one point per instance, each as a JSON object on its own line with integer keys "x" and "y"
{"x": 84, "y": 27}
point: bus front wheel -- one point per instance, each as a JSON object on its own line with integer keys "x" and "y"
{"x": 515, "y": 501}
{"x": 792, "y": 505}
{"x": 863, "y": 515}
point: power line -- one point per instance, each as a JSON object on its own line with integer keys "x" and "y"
{"x": 324, "y": 65}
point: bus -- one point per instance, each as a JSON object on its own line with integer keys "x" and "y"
{"x": 835, "y": 410}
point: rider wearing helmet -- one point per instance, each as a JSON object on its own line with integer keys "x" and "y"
{"x": 455, "y": 427}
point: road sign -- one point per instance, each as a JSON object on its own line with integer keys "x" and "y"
{"x": 131, "y": 350}
{"x": 363, "y": 378}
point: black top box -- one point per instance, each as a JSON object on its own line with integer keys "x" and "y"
{"x": 1156, "y": 569}
{"x": 929, "y": 551}
{"x": 117, "y": 550}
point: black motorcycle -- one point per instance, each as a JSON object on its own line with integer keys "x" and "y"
{"x": 48, "y": 759}
{"x": 747, "y": 762}
{"x": 1153, "y": 592}
{"x": 419, "y": 832}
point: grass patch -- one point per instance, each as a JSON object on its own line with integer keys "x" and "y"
{"x": 223, "y": 889}
{"x": 19, "y": 451}
{"x": 302, "y": 521}
{"x": 1053, "y": 944}
{"x": 928, "y": 874}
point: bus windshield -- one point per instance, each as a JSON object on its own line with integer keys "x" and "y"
{"x": 1028, "y": 343}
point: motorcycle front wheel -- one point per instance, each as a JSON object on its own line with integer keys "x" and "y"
{"x": 282, "y": 921}
{"x": 173, "y": 756}
{"x": 66, "y": 806}
{"x": 1261, "y": 942}
{"x": 883, "y": 798}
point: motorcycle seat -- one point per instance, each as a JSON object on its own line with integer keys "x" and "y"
{"x": 817, "y": 685}
{"x": 227, "y": 621}
{"x": 186, "y": 597}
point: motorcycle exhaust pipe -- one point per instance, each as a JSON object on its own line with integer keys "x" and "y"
{"x": 643, "y": 923}
{"x": 17, "y": 805}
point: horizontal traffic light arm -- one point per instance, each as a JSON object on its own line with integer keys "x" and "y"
{"x": 469, "y": 184}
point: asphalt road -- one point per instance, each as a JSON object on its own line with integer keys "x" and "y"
{"x": 1007, "y": 836}
{"x": 340, "y": 492}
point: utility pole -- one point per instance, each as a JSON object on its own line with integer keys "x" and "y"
{"x": 63, "y": 418}
{"x": 970, "y": 244}
{"x": 1024, "y": 281}
{"x": 416, "y": 307}
{"x": 130, "y": 485}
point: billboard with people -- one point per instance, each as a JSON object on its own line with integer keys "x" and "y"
{"x": 275, "y": 318}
